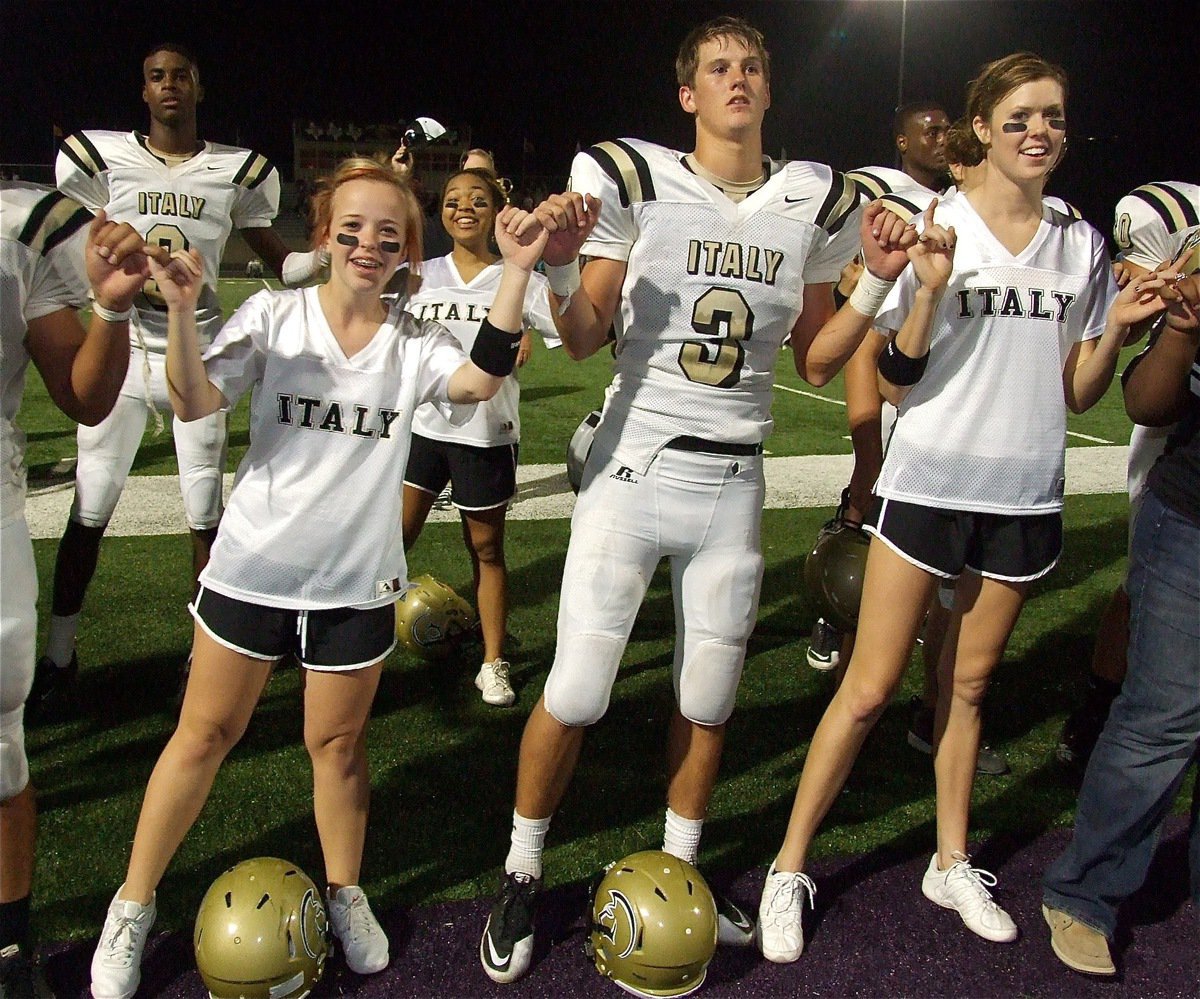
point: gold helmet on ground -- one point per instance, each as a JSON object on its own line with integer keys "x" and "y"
{"x": 653, "y": 925}
{"x": 431, "y": 619}
{"x": 261, "y": 932}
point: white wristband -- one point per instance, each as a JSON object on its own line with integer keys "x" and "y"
{"x": 869, "y": 293}
{"x": 110, "y": 316}
{"x": 564, "y": 278}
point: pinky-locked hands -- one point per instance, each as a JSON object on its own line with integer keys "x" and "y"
{"x": 180, "y": 278}
{"x": 932, "y": 255}
{"x": 569, "y": 219}
{"x": 116, "y": 262}
{"x": 885, "y": 241}
{"x": 520, "y": 237}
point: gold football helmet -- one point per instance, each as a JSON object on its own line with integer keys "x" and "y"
{"x": 261, "y": 932}
{"x": 431, "y": 619}
{"x": 653, "y": 925}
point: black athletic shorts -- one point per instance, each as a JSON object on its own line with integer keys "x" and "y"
{"x": 481, "y": 478}
{"x": 342, "y": 638}
{"x": 1008, "y": 547}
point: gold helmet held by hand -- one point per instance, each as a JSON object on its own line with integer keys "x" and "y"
{"x": 261, "y": 932}
{"x": 653, "y": 925}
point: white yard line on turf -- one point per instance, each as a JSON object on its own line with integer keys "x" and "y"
{"x": 151, "y": 503}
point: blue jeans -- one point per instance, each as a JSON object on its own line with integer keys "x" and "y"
{"x": 1152, "y": 733}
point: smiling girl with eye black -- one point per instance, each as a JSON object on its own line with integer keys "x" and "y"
{"x": 1007, "y": 316}
{"x": 309, "y": 559}
{"x": 478, "y": 458}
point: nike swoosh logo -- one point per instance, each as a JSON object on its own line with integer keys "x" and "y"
{"x": 795, "y": 201}
{"x": 499, "y": 961}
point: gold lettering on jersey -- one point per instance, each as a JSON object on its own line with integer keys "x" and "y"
{"x": 302, "y": 411}
{"x": 1013, "y": 303}
{"x": 184, "y": 206}
{"x": 715, "y": 258}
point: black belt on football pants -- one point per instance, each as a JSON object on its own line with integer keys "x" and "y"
{"x": 713, "y": 447}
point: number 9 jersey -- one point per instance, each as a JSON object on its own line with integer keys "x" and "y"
{"x": 192, "y": 204}
{"x": 712, "y": 288}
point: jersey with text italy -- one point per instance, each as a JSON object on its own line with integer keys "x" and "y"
{"x": 192, "y": 205}
{"x": 460, "y": 306}
{"x": 985, "y": 427}
{"x": 314, "y": 517}
{"x": 43, "y": 237}
{"x": 711, "y": 289}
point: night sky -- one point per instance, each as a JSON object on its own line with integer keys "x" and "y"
{"x": 542, "y": 76}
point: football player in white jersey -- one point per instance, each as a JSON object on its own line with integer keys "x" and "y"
{"x": 49, "y": 254}
{"x": 478, "y": 458}
{"x": 309, "y": 559}
{"x": 1152, "y": 225}
{"x": 1008, "y": 312}
{"x": 703, "y": 263}
{"x": 179, "y": 192}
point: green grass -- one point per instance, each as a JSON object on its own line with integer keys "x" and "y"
{"x": 443, "y": 764}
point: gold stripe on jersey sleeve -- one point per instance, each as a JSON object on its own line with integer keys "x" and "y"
{"x": 54, "y": 219}
{"x": 627, "y": 168}
{"x": 1074, "y": 212}
{"x": 253, "y": 171}
{"x": 901, "y": 207}
{"x": 870, "y": 186}
{"x": 85, "y": 155}
{"x": 1172, "y": 207}
{"x": 840, "y": 202}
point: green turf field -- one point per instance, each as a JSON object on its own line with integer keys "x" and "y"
{"x": 443, "y": 763}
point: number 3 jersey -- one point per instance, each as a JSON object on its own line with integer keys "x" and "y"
{"x": 712, "y": 288}
{"x": 194, "y": 204}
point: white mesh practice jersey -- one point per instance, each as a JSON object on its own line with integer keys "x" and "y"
{"x": 195, "y": 204}
{"x": 314, "y": 518}
{"x": 43, "y": 236}
{"x": 1153, "y": 221}
{"x": 460, "y": 306}
{"x": 985, "y": 427}
{"x": 711, "y": 289}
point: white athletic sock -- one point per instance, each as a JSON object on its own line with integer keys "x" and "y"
{"x": 60, "y": 643}
{"x": 525, "y": 853}
{"x": 681, "y": 837}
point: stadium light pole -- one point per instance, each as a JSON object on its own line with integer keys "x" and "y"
{"x": 900, "y": 73}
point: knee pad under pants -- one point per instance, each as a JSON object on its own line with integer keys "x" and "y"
{"x": 106, "y": 453}
{"x": 716, "y": 606}
{"x": 18, "y": 621}
{"x": 201, "y": 447}
{"x": 604, "y": 582}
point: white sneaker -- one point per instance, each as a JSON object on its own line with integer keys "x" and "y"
{"x": 354, "y": 924}
{"x": 780, "y": 927}
{"x": 965, "y": 889}
{"x": 117, "y": 963}
{"x": 492, "y": 681}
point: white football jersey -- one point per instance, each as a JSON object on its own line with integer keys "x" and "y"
{"x": 314, "y": 517}
{"x": 711, "y": 289}
{"x": 460, "y": 306}
{"x": 875, "y": 181}
{"x": 193, "y": 205}
{"x": 985, "y": 427}
{"x": 1153, "y": 221}
{"x": 43, "y": 237}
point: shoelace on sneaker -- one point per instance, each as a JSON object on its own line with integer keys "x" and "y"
{"x": 976, "y": 879}
{"x": 786, "y": 884}
{"x": 122, "y": 942}
{"x": 500, "y": 671}
{"x": 360, "y": 922}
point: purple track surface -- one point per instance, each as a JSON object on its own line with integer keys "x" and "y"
{"x": 873, "y": 934}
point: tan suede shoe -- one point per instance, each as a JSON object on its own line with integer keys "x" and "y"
{"x": 1077, "y": 945}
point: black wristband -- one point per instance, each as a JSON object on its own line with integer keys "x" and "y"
{"x": 900, "y": 369}
{"x": 838, "y": 298}
{"x": 495, "y": 351}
